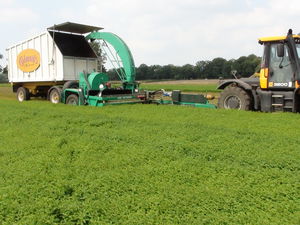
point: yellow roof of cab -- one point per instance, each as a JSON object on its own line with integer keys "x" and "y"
{"x": 277, "y": 38}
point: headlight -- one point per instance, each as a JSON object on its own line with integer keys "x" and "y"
{"x": 101, "y": 86}
{"x": 136, "y": 90}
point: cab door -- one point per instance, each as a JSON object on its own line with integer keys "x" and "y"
{"x": 280, "y": 69}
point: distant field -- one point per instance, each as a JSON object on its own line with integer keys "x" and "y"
{"x": 146, "y": 164}
{"x": 181, "y": 82}
{"x": 183, "y": 85}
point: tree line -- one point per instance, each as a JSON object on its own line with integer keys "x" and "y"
{"x": 3, "y": 72}
{"x": 245, "y": 66}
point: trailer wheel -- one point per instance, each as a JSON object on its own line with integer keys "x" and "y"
{"x": 55, "y": 95}
{"x": 234, "y": 98}
{"x": 23, "y": 94}
{"x": 72, "y": 100}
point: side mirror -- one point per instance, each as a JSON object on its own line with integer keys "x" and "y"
{"x": 280, "y": 50}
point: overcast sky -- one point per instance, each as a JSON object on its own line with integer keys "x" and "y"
{"x": 160, "y": 31}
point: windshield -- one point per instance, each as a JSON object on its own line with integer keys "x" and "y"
{"x": 281, "y": 71}
{"x": 298, "y": 49}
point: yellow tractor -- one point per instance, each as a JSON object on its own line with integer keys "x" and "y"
{"x": 278, "y": 86}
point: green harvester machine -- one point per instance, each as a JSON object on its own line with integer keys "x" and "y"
{"x": 94, "y": 89}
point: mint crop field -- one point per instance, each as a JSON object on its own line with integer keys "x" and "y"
{"x": 147, "y": 164}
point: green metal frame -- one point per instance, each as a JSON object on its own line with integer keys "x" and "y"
{"x": 124, "y": 53}
{"x": 96, "y": 82}
{"x": 101, "y": 101}
{"x": 197, "y": 105}
{"x": 92, "y": 85}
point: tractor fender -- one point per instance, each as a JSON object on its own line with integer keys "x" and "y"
{"x": 246, "y": 87}
{"x": 240, "y": 83}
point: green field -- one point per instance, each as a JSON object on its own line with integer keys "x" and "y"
{"x": 146, "y": 164}
{"x": 183, "y": 87}
{"x": 4, "y": 85}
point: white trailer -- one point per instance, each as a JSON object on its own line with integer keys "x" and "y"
{"x": 40, "y": 66}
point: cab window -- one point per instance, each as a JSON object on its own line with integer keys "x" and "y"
{"x": 280, "y": 67}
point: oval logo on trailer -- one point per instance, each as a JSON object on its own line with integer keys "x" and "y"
{"x": 28, "y": 60}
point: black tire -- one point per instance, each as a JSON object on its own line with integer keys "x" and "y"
{"x": 233, "y": 97}
{"x": 72, "y": 99}
{"x": 23, "y": 94}
{"x": 71, "y": 84}
{"x": 55, "y": 95}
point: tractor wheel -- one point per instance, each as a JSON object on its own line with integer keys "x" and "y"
{"x": 55, "y": 95}
{"x": 234, "y": 98}
{"x": 71, "y": 84}
{"x": 23, "y": 94}
{"x": 72, "y": 100}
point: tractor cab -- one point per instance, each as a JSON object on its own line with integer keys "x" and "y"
{"x": 280, "y": 62}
